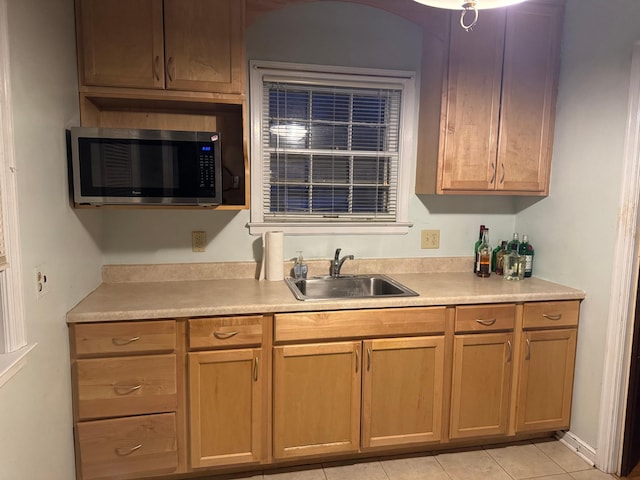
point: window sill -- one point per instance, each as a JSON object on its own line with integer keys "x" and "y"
{"x": 12, "y": 363}
{"x": 331, "y": 228}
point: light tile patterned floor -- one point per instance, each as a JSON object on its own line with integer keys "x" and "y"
{"x": 540, "y": 459}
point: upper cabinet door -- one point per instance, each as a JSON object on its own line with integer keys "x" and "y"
{"x": 121, "y": 43}
{"x": 473, "y": 104}
{"x": 204, "y": 43}
{"x": 499, "y": 102}
{"x": 529, "y": 90}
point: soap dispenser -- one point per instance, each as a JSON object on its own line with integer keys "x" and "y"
{"x": 299, "y": 267}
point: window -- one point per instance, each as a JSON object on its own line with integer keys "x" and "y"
{"x": 13, "y": 344}
{"x": 330, "y": 149}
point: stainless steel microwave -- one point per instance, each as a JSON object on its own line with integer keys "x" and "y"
{"x": 145, "y": 167}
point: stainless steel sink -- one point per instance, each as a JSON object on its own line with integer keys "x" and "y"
{"x": 347, "y": 286}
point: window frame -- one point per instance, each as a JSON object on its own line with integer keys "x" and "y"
{"x": 281, "y": 71}
{"x": 13, "y": 336}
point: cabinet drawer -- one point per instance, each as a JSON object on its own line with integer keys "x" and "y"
{"x": 123, "y": 337}
{"x": 551, "y": 314}
{"x": 127, "y": 447}
{"x": 225, "y": 332}
{"x": 111, "y": 387}
{"x": 359, "y": 323}
{"x": 485, "y": 318}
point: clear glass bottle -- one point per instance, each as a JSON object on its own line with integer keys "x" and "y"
{"x": 526, "y": 250}
{"x": 300, "y": 268}
{"x": 513, "y": 264}
{"x": 514, "y": 241}
{"x": 483, "y": 268}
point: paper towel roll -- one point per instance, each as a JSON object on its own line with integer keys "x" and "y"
{"x": 274, "y": 263}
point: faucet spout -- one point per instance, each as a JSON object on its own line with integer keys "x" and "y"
{"x": 337, "y": 262}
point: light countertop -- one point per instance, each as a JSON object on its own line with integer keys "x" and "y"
{"x": 204, "y": 297}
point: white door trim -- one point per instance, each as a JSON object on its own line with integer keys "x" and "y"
{"x": 623, "y": 287}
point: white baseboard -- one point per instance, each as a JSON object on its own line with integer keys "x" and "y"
{"x": 580, "y": 447}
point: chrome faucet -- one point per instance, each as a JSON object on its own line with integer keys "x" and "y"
{"x": 337, "y": 262}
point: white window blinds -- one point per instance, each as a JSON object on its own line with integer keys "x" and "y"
{"x": 329, "y": 152}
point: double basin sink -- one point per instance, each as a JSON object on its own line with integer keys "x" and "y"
{"x": 347, "y": 286}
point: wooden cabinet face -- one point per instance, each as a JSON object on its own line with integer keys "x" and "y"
{"x": 473, "y": 104}
{"x": 226, "y": 395}
{"x": 499, "y": 102}
{"x": 546, "y": 380}
{"x": 109, "y": 387}
{"x": 316, "y": 399}
{"x": 402, "y": 391}
{"x": 529, "y": 88}
{"x": 482, "y": 369}
{"x": 123, "y": 44}
{"x": 204, "y": 45}
{"x": 120, "y": 43}
{"x": 128, "y": 447}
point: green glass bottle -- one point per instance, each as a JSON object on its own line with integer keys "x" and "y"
{"x": 526, "y": 250}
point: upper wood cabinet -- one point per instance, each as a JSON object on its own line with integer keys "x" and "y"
{"x": 498, "y": 104}
{"x": 192, "y": 45}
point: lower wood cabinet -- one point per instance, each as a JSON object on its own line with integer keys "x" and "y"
{"x": 320, "y": 409}
{"x": 402, "y": 391}
{"x": 128, "y": 447}
{"x": 482, "y": 369}
{"x": 214, "y": 393}
{"x": 546, "y": 380}
{"x": 225, "y": 407}
{"x": 316, "y": 399}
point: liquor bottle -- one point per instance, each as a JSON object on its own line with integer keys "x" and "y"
{"x": 513, "y": 263}
{"x": 500, "y": 258}
{"x": 484, "y": 256}
{"x": 526, "y": 250}
{"x": 515, "y": 241}
{"x": 475, "y": 250}
{"x": 494, "y": 255}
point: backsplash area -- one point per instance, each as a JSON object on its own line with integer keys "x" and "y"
{"x": 235, "y": 270}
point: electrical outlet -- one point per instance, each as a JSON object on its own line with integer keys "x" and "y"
{"x": 430, "y": 239}
{"x": 42, "y": 280}
{"x": 198, "y": 241}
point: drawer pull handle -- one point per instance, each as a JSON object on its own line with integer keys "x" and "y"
{"x": 156, "y": 67}
{"x": 550, "y": 316}
{"x": 510, "y": 351}
{"x": 486, "y": 323}
{"x": 126, "y": 389}
{"x": 255, "y": 369}
{"x": 224, "y": 335}
{"x": 123, "y": 452}
{"x": 528, "y": 354}
{"x": 121, "y": 342}
{"x": 171, "y": 69}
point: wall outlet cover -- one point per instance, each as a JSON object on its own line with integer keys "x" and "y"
{"x": 430, "y": 239}
{"x": 198, "y": 241}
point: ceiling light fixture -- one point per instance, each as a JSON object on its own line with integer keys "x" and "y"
{"x": 468, "y": 6}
